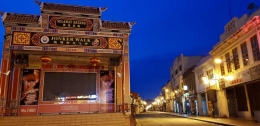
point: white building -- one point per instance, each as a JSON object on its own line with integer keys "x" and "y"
{"x": 238, "y": 49}
{"x": 179, "y": 66}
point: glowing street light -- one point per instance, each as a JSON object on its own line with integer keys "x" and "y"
{"x": 218, "y": 60}
{"x": 166, "y": 90}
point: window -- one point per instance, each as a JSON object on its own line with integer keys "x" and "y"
{"x": 255, "y": 48}
{"x": 176, "y": 72}
{"x": 235, "y": 58}
{"x": 222, "y": 68}
{"x": 210, "y": 74}
{"x": 180, "y": 67}
{"x": 228, "y": 61}
{"x": 200, "y": 79}
{"x": 244, "y": 53}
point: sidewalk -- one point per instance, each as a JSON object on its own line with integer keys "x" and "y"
{"x": 223, "y": 121}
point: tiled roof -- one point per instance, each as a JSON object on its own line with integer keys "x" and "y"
{"x": 115, "y": 25}
{"x": 23, "y": 18}
{"x": 70, "y": 8}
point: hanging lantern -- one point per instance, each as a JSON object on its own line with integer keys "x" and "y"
{"x": 45, "y": 59}
{"x": 94, "y": 61}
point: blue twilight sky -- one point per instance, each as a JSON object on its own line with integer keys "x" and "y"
{"x": 164, "y": 29}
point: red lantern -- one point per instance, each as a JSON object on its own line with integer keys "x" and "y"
{"x": 45, "y": 59}
{"x": 94, "y": 61}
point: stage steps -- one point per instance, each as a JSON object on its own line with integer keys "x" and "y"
{"x": 100, "y": 119}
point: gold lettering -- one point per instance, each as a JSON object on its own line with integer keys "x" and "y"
{"x": 68, "y": 25}
{"x": 78, "y": 26}
{"x": 61, "y": 42}
{"x": 74, "y": 43}
{"x": 55, "y": 42}
{"x": 64, "y": 25}
{"x": 74, "y": 26}
{"x": 68, "y": 43}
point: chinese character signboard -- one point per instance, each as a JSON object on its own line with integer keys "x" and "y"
{"x": 238, "y": 78}
{"x": 37, "y": 39}
{"x": 63, "y": 23}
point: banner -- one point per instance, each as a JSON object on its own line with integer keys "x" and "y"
{"x": 107, "y": 87}
{"x": 30, "y": 87}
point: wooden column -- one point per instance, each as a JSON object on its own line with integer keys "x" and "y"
{"x": 126, "y": 74}
{"x": 5, "y": 67}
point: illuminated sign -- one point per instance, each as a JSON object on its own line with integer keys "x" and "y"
{"x": 61, "y": 22}
{"x": 36, "y": 39}
{"x": 70, "y": 41}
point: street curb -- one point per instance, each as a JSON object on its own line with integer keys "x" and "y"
{"x": 225, "y": 124}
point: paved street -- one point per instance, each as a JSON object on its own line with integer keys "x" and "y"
{"x": 161, "y": 119}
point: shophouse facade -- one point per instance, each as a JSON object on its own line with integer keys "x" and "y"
{"x": 189, "y": 85}
{"x": 238, "y": 49}
{"x": 169, "y": 96}
{"x": 179, "y": 66}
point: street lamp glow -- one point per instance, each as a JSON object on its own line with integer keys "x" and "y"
{"x": 185, "y": 87}
{"x": 166, "y": 90}
{"x": 229, "y": 78}
{"x": 205, "y": 80}
{"x": 144, "y": 103}
{"x": 218, "y": 60}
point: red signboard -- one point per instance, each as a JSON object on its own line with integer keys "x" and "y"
{"x": 67, "y": 108}
{"x": 28, "y": 110}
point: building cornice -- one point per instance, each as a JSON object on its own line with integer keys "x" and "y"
{"x": 235, "y": 36}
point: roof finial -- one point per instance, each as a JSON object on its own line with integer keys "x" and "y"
{"x": 103, "y": 9}
{"x": 132, "y": 23}
{"x": 38, "y": 2}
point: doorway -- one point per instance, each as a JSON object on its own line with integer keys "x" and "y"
{"x": 231, "y": 99}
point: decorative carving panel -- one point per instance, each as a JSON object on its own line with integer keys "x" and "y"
{"x": 115, "y": 43}
{"x": 45, "y": 21}
{"x": 21, "y": 38}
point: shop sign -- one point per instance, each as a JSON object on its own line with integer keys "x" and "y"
{"x": 36, "y": 39}
{"x": 34, "y": 66}
{"x": 32, "y": 48}
{"x": 255, "y": 72}
{"x": 239, "y": 78}
{"x": 28, "y": 110}
{"x": 70, "y": 40}
{"x": 70, "y": 49}
{"x": 59, "y": 108}
{"x": 104, "y": 51}
{"x": 61, "y": 22}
